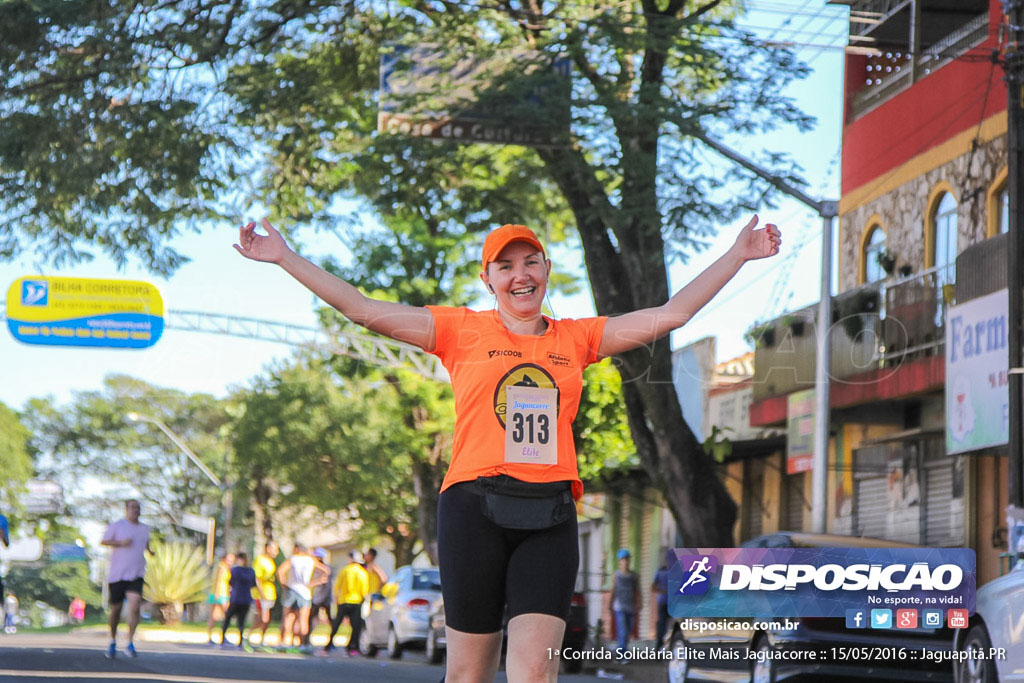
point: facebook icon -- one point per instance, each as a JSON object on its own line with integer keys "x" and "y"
{"x": 856, "y": 618}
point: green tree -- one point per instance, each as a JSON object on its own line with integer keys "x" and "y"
{"x": 55, "y": 583}
{"x": 147, "y": 105}
{"x": 15, "y": 461}
{"x": 93, "y": 436}
{"x": 601, "y": 431}
{"x": 306, "y": 436}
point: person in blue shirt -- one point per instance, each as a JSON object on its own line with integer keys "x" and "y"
{"x": 660, "y": 588}
{"x": 5, "y": 538}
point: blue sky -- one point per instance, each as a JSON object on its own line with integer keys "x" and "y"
{"x": 218, "y": 280}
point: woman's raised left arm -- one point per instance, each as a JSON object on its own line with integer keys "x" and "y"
{"x": 637, "y": 328}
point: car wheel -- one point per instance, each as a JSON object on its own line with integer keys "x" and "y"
{"x": 394, "y": 647}
{"x": 678, "y": 667}
{"x": 366, "y": 646}
{"x": 762, "y": 669}
{"x": 973, "y": 669}
{"x": 434, "y": 653}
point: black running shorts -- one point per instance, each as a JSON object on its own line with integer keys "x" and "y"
{"x": 484, "y": 567}
{"x": 119, "y": 588}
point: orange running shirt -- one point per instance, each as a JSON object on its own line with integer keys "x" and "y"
{"x": 483, "y": 358}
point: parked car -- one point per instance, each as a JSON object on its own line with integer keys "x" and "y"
{"x": 575, "y": 637}
{"x": 739, "y": 645}
{"x": 437, "y": 644}
{"x": 998, "y": 622}
{"x": 399, "y": 616}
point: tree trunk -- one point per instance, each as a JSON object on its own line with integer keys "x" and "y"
{"x": 402, "y": 545}
{"x": 168, "y": 613}
{"x": 627, "y": 277}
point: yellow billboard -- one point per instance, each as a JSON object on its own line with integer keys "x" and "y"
{"x": 72, "y": 311}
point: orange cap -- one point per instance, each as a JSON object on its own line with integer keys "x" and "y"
{"x": 505, "y": 235}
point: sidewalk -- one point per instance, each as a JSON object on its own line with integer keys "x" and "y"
{"x": 155, "y": 633}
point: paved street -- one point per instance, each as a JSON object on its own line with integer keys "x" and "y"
{"x": 38, "y": 658}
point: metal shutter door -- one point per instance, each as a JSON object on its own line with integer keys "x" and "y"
{"x": 753, "y": 497}
{"x": 645, "y": 568}
{"x": 794, "y": 509}
{"x": 872, "y": 506}
{"x": 939, "y": 506}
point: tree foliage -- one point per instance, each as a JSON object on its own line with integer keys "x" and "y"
{"x": 307, "y": 436}
{"x": 93, "y": 435}
{"x": 55, "y": 583}
{"x": 167, "y": 111}
{"x": 15, "y": 461}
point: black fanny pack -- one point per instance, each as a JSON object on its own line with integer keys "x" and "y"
{"x": 514, "y": 504}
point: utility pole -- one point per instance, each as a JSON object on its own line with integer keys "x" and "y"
{"x": 1014, "y": 68}
{"x": 828, "y": 210}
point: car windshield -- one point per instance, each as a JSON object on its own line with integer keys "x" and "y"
{"x": 426, "y": 581}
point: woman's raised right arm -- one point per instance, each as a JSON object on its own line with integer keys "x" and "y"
{"x": 409, "y": 324}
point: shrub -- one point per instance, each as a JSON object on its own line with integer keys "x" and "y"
{"x": 176, "y": 574}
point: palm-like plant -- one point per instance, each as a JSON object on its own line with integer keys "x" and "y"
{"x": 175, "y": 574}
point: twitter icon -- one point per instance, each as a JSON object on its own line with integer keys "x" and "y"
{"x": 881, "y": 618}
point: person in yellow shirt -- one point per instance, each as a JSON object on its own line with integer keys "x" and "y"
{"x": 219, "y": 593}
{"x": 265, "y": 567}
{"x": 350, "y": 589}
{"x": 378, "y": 577}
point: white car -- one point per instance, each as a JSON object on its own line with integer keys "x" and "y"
{"x": 991, "y": 647}
{"x": 399, "y": 616}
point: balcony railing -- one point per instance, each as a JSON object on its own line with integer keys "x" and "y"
{"x": 876, "y": 325}
{"x": 930, "y": 60}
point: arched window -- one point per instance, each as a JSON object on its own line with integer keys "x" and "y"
{"x": 945, "y": 231}
{"x": 874, "y": 248}
{"x": 997, "y": 205}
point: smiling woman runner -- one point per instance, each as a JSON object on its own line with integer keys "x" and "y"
{"x": 506, "y": 520}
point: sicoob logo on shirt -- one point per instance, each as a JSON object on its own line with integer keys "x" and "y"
{"x": 524, "y": 375}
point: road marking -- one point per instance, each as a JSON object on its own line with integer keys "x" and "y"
{"x": 126, "y": 675}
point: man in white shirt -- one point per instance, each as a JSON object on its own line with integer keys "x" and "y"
{"x": 298, "y": 575}
{"x": 129, "y": 539}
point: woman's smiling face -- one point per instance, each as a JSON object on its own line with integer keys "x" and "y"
{"x": 519, "y": 278}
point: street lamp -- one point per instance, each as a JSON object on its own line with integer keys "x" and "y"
{"x": 222, "y": 485}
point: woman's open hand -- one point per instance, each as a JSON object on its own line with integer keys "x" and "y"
{"x": 270, "y": 248}
{"x": 754, "y": 244}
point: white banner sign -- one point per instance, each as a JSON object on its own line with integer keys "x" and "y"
{"x": 977, "y": 396}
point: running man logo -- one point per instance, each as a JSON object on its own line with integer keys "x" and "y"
{"x": 34, "y": 293}
{"x": 696, "y": 569}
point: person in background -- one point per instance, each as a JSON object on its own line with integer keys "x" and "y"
{"x": 265, "y": 568}
{"x": 350, "y": 589}
{"x": 219, "y": 594}
{"x": 76, "y": 611}
{"x": 298, "y": 576}
{"x": 10, "y": 613}
{"x": 378, "y": 577}
{"x": 625, "y": 599}
{"x": 5, "y": 540}
{"x": 129, "y": 539}
{"x": 322, "y": 592}
{"x": 242, "y": 582}
{"x": 659, "y": 586}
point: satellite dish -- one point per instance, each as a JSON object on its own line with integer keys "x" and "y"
{"x": 23, "y": 550}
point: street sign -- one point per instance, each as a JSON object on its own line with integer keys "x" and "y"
{"x": 67, "y": 552}
{"x": 197, "y": 523}
{"x": 510, "y": 97}
{"x": 43, "y": 497}
{"x": 73, "y": 311}
{"x": 22, "y": 550}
